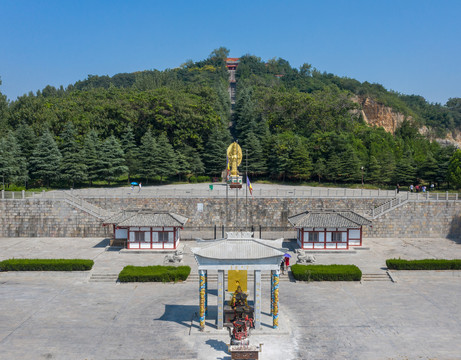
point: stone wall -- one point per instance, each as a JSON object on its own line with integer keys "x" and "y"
{"x": 56, "y": 218}
{"x": 418, "y": 219}
{"x": 43, "y": 217}
{"x": 261, "y": 211}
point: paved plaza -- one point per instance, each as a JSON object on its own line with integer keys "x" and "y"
{"x": 46, "y": 315}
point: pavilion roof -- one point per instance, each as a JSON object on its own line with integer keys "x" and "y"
{"x": 146, "y": 217}
{"x": 328, "y": 218}
{"x": 243, "y": 249}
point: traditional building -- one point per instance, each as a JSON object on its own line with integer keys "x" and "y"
{"x": 328, "y": 229}
{"x": 146, "y": 229}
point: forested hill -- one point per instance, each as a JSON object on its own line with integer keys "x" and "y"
{"x": 295, "y": 124}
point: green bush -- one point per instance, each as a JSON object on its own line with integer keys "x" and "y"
{"x": 193, "y": 179}
{"x": 326, "y": 272}
{"x": 46, "y": 265}
{"x": 425, "y": 264}
{"x": 202, "y": 179}
{"x": 154, "y": 273}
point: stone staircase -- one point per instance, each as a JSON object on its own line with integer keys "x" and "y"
{"x": 103, "y": 277}
{"x": 77, "y": 202}
{"x": 388, "y": 206}
{"x": 383, "y": 276}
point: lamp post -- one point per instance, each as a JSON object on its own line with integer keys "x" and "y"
{"x": 362, "y": 175}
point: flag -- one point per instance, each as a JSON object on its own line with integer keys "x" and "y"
{"x": 249, "y": 186}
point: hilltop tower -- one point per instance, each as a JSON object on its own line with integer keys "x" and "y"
{"x": 231, "y": 64}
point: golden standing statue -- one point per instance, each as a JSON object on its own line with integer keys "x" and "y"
{"x": 234, "y": 154}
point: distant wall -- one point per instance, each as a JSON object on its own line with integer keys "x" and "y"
{"x": 56, "y": 218}
{"x": 50, "y": 218}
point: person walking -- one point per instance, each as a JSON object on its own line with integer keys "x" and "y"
{"x": 287, "y": 262}
{"x": 398, "y": 188}
{"x": 140, "y": 186}
{"x": 282, "y": 267}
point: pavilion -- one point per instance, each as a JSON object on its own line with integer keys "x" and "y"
{"x": 328, "y": 229}
{"x": 146, "y": 229}
{"x": 240, "y": 251}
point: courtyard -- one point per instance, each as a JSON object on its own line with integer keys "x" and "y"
{"x": 68, "y": 316}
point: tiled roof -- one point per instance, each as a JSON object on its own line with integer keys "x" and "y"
{"x": 243, "y": 249}
{"x": 323, "y": 219}
{"x": 146, "y": 218}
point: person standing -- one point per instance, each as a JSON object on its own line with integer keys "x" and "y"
{"x": 398, "y": 188}
{"x": 282, "y": 267}
{"x": 287, "y": 262}
{"x": 140, "y": 186}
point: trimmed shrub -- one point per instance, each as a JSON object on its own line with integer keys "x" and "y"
{"x": 326, "y": 272}
{"x": 202, "y": 179}
{"x": 425, "y": 264}
{"x": 156, "y": 273}
{"x": 46, "y": 265}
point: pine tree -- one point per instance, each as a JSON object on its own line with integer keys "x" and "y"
{"x": 405, "y": 172}
{"x": 93, "y": 156}
{"x": 256, "y": 160}
{"x": 350, "y": 165}
{"x": 46, "y": 159}
{"x": 454, "y": 169}
{"x": 300, "y": 162}
{"x": 195, "y": 162}
{"x": 73, "y": 168}
{"x": 334, "y": 168}
{"x": 19, "y": 166}
{"x": 166, "y": 160}
{"x": 182, "y": 164}
{"x": 27, "y": 140}
{"x": 214, "y": 156}
{"x": 147, "y": 153}
{"x": 131, "y": 152}
{"x": 113, "y": 159}
{"x": 374, "y": 171}
{"x": 429, "y": 169}
{"x": 320, "y": 168}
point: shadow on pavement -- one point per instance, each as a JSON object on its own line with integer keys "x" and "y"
{"x": 217, "y": 345}
{"x": 102, "y": 244}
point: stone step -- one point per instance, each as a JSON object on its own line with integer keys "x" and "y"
{"x": 376, "y": 277}
{"x": 103, "y": 278}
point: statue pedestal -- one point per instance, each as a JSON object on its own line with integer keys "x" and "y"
{"x": 244, "y": 351}
{"x": 235, "y": 182}
{"x": 229, "y": 314}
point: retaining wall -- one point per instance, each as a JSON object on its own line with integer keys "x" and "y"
{"x": 57, "y": 218}
{"x": 50, "y": 218}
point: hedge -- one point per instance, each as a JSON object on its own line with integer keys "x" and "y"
{"x": 425, "y": 264}
{"x": 326, "y": 272}
{"x": 46, "y": 265}
{"x": 157, "y": 273}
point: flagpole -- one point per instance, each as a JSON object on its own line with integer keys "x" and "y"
{"x": 246, "y": 189}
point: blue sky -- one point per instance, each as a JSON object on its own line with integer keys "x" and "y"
{"x": 413, "y": 47}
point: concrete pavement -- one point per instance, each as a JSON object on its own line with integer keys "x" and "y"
{"x": 64, "y": 316}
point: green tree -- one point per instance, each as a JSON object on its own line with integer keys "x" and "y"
{"x": 72, "y": 168}
{"x": 454, "y": 169}
{"x": 320, "y": 168}
{"x": 148, "y": 156}
{"x": 373, "y": 171}
{"x": 27, "y": 139}
{"x": 256, "y": 160}
{"x": 405, "y": 172}
{"x": 300, "y": 163}
{"x": 194, "y": 160}
{"x": 113, "y": 159}
{"x": 214, "y": 155}
{"x": 93, "y": 156}
{"x": 13, "y": 166}
{"x": 131, "y": 152}
{"x": 165, "y": 157}
{"x": 46, "y": 159}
